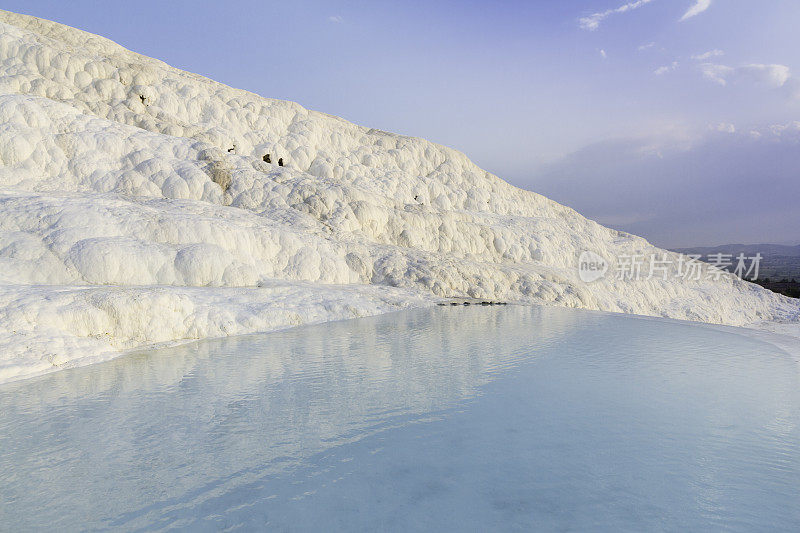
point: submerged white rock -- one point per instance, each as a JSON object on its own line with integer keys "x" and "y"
{"x": 134, "y": 198}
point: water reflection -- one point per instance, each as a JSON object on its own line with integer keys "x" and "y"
{"x": 241, "y": 407}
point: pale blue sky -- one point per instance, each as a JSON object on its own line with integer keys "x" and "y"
{"x": 597, "y": 103}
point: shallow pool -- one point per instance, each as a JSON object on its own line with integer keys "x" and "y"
{"x": 464, "y": 418}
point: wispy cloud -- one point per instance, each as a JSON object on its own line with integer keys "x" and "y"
{"x": 708, "y": 55}
{"x": 792, "y": 89}
{"x": 723, "y": 127}
{"x": 717, "y": 73}
{"x": 603, "y": 54}
{"x": 790, "y": 130}
{"x": 336, "y": 19}
{"x": 646, "y": 46}
{"x": 770, "y": 75}
{"x": 698, "y": 7}
{"x": 660, "y": 71}
{"x": 592, "y": 22}
{"x": 773, "y": 76}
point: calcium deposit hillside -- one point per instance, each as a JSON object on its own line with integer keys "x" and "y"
{"x": 141, "y": 204}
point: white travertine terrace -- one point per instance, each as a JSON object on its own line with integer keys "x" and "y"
{"x": 136, "y": 208}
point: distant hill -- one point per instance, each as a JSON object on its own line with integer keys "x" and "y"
{"x": 779, "y": 268}
{"x": 748, "y": 249}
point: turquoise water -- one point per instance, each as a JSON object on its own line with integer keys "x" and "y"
{"x": 472, "y": 418}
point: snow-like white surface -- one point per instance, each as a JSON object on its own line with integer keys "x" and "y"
{"x": 65, "y": 326}
{"x": 124, "y": 180}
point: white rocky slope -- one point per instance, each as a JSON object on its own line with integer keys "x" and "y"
{"x": 135, "y": 208}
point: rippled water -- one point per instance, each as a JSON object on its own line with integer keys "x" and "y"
{"x": 446, "y": 419}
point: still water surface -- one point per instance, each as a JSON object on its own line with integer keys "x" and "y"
{"x": 472, "y": 418}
